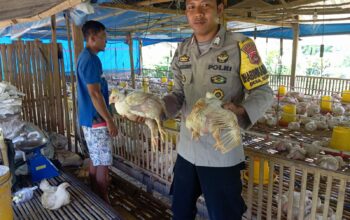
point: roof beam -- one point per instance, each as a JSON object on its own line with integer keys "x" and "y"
{"x": 54, "y": 10}
{"x": 145, "y": 9}
{"x": 157, "y": 22}
{"x": 255, "y": 21}
{"x": 151, "y": 2}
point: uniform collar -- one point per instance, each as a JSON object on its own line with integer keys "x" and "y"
{"x": 217, "y": 41}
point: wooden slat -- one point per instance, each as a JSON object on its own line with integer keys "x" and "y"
{"x": 302, "y": 194}
{"x": 291, "y": 193}
{"x": 269, "y": 192}
{"x": 340, "y": 199}
{"x": 260, "y": 188}
{"x": 280, "y": 192}
{"x": 327, "y": 197}
{"x": 315, "y": 195}
{"x": 250, "y": 188}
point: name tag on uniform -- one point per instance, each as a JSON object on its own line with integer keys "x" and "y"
{"x": 188, "y": 66}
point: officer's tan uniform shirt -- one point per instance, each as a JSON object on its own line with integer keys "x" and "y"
{"x": 216, "y": 70}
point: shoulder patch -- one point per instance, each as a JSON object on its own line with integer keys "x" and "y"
{"x": 252, "y": 71}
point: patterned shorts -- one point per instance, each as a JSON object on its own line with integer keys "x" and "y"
{"x": 99, "y": 143}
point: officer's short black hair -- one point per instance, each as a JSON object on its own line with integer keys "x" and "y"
{"x": 91, "y": 28}
{"x": 218, "y": 2}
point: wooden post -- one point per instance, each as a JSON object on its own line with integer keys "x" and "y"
{"x": 132, "y": 71}
{"x": 78, "y": 41}
{"x": 295, "y": 27}
{"x": 56, "y": 77}
{"x": 140, "y": 56}
{"x": 72, "y": 83}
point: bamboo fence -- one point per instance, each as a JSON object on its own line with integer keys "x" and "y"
{"x": 36, "y": 70}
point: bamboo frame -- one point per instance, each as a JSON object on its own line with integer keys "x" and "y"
{"x": 54, "y": 10}
{"x": 260, "y": 198}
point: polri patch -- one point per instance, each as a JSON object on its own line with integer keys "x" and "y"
{"x": 223, "y": 57}
{"x": 219, "y": 93}
{"x": 184, "y": 58}
{"x": 218, "y": 79}
{"x": 249, "y": 48}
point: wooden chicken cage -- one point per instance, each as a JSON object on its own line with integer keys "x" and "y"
{"x": 311, "y": 85}
{"x": 132, "y": 147}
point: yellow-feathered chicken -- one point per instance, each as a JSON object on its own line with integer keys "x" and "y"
{"x": 207, "y": 116}
{"x": 146, "y": 105}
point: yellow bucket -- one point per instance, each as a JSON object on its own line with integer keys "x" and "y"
{"x": 145, "y": 84}
{"x": 289, "y": 114}
{"x": 257, "y": 171}
{"x": 326, "y": 103}
{"x": 256, "y": 167}
{"x": 170, "y": 86}
{"x": 172, "y": 124}
{"x": 346, "y": 96}
{"x": 282, "y": 90}
{"x": 164, "y": 79}
{"x": 341, "y": 138}
{"x": 6, "y": 212}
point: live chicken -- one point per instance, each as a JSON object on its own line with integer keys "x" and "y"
{"x": 207, "y": 116}
{"x": 146, "y": 105}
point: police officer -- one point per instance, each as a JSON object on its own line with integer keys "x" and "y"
{"x": 227, "y": 64}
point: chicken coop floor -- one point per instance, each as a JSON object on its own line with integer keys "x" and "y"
{"x": 130, "y": 199}
{"x": 83, "y": 204}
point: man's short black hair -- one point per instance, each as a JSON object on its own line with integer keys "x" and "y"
{"x": 218, "y": 2}
{"x": 91, "y": 28}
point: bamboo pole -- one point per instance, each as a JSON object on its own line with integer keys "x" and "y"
{"x": 132, "y": 71}
{"x": 56, "y": 76}
{"x": 5, "y": 62}
{"x": 65, "y": 100}
{"x": 72, "y": 83}
{"x": 294, "y": 54}
{"x": 78, "y": 41}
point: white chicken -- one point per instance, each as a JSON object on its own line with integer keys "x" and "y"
{"x": 313, "y": 149}
{"x": 301, "y": 107}
{"x": 281, "y": 146}
{"x": 330, "y": 162}
{"x": 54, "y": 197}
{"x": 338, "y": 110}
{"x": 312, "y": 110}
{"x": 146, "y": 105}
{"x": 296, "y": 153}
{"x": 271, "y": 120}
{"x": 294, "y": 126}
{"x": 296, "y": 203}
{"x": 207, "y": 116}
{"x": 311, "y": 126}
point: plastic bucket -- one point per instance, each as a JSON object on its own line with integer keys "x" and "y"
{"x": 346, "y": 96}
{"x": 6, "y": 212}
{"x": 341, "y": 138}
{"x": 326, "y": 104}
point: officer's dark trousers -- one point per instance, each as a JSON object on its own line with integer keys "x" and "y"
{"x": 221, "y": 187}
